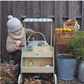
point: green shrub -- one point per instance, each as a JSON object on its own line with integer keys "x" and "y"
{"x": 76, "y": 43}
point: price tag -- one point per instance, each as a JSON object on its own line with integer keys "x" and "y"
{"x": 37, "y": 54}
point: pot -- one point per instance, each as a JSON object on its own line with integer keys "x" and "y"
{"x": 66, "y": 65}
{"x": 81, "y": 71}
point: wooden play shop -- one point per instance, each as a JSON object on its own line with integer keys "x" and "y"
{"x": 38, "y": 55}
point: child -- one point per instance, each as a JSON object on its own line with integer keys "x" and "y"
{"x": 15, "y": 37}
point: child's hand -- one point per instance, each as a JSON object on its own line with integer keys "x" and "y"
{"x": 34, "y": 33}
{"x": 18, "y": 43}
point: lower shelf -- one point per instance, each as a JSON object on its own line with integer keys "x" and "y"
{"x": 26, "y": 69}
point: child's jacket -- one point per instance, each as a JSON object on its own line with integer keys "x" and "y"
{"x": 11, "y": 41}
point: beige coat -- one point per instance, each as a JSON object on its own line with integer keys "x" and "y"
{"x": 11, "y": 41}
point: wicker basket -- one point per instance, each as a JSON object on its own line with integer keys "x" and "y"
{"x": 35, "y": 42}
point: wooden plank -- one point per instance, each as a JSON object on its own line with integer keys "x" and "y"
{"x": 23, "y": 7}
{"x": 77, "y": 16}
{"x": 41, "y": 54}
{"x": 42, "y": 15}
{"x": 32, "y": 6}
{"x": 51, "y": 8}
{"x": 79, "y": 7}
{"x": 65, "y": 8}
{"x": 37, "y": 9}
{"x": 37, "y": 69}
{"x": 82, "y": 21}
{"x": 4, "y": 30}
{"x": 36, "y": 14}
{"x": 9, "y": 7}
{"x": 64, "y": 49}
{"x": 58, "y": 14}
{"x": 72, "y": 9}
{"x": 17, "y": 9}
{"x": 28, "y": 12}
{"x": 65, "y": 34}
{"x": 40, "y": 49}
{"x": 0, "y": 29}
{"x": 45, "y": 26}
{"x": 65, "y": 16}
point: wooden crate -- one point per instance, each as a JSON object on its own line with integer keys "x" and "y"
{"x": 61, "y": 41}
{"x": 40, "y": 55}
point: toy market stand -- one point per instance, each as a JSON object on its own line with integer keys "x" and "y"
{"x": 40, "y": 55}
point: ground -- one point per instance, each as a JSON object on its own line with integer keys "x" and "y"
{"x": 59, "y": 81}
{"x": 75, "y": 81}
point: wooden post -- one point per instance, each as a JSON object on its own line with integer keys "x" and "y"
{"x": 25, "y": 34}
{"x": 51, "y": 33}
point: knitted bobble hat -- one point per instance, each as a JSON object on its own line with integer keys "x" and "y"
{"x": 13, "y": 24}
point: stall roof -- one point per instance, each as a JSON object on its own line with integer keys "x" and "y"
{"x": 37, "y": 20}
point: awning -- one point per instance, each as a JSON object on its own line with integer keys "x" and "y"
{"x": 37, "y": 20}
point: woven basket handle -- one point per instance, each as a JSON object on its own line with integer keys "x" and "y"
{"x": 33, "y": 33}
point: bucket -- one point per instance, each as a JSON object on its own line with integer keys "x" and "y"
{"x": 66, "y": 65}
{"x": 81, "y": 71}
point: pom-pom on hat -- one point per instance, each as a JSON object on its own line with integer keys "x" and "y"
{"x": 13, "y": 24}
